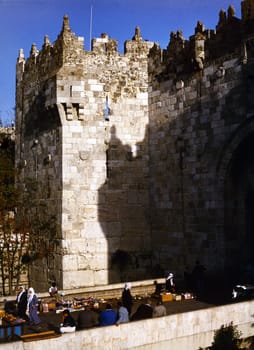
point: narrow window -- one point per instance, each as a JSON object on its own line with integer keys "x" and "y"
{"x": 106, "y": 110}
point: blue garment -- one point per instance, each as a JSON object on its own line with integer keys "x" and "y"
{"x": 123, "y": 315}
{"x": 33, "y": 310}
{"x": 107, "y": 317}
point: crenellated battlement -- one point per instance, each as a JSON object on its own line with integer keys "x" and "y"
{"x": 136, "y": 151}
{"x": 51, "y": 57}
{"x": 180, "y": 56}
{"x": 69, "y": 48}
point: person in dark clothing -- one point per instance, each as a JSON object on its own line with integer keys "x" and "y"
{"x": 87, "y": 318}
{"x": 143, "y": 311}
{"x": 21, "y": 302}
{"x": 10, "y": 308}
{"x": 127, "y": 297}
{"x": 68, "y": 323}
{"x": 170, "y": 285}
{"x": 198, "y": 277}
{"x": 158, "y": 289}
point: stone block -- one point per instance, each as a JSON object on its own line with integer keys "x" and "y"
{"x": 77, "y": 279}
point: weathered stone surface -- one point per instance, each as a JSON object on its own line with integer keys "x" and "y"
{"x": 189, "y": 330}
{"x": 140, "y": 151}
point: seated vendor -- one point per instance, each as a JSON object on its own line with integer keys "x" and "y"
{"x": 53, "y": 291}
{"x": 68, "y": 324}
{"x": 87, "y": 318}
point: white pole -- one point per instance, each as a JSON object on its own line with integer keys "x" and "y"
{"x": 91, "y": 23}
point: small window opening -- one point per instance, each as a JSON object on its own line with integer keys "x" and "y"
{"x": 106, "y": 110}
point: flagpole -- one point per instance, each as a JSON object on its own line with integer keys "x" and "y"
{"x": 91, "y": 23}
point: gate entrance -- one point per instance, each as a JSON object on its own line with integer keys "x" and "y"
{"x": 239, "y": 211}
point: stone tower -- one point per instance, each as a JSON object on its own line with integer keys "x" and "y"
{"x": 82, "y": 120}
{"x": 129, "y": 163}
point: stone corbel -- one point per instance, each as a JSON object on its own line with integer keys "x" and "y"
{"x": 69, "y": 113}
{"x": 81, "y": 112}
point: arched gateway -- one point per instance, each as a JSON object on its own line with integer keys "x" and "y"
{"x": 236, "y": 174}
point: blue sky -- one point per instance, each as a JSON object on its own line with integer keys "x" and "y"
{"x": 23, "y": 22}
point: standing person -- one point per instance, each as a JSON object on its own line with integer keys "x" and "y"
{"x": 198, "y": 275}
{"x": 68, "y": 324}
{"x": 107, "y": 317}
{"x": 127, "y": 297}
{"x": 21, "y": 302}
{"x": 32, "y": 305}
{"x": 170, "y": 285}
{"x": 122, "y": 314}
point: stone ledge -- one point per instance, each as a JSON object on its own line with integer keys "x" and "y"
{"x": 103, "y": 291}
{"x": 189, "y": 330}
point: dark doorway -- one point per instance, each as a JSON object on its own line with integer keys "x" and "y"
{"x": 239, "y": 211}
{"x": 249, "y": 225}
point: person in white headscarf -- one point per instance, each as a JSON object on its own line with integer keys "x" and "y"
{"x": 170, "y": 285}
{"x": 127, "y": 297}
{"x": 21, "y": 302}
{"x": 32, "y": 304}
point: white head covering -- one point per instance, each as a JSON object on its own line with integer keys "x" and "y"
{"x": 170, "y": 275}
{"x": 127, "y": 285}
{"x": 170, "y": 278}
{"x": 31, "y": 293}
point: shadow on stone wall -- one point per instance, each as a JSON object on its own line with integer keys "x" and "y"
{"x": 162, "y": 206}
{"x": 124, "y": 210}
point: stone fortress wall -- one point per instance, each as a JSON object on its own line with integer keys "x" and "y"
{"x": 137, "y": 151}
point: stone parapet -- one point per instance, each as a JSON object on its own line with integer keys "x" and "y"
{"x": 190, "y": 330}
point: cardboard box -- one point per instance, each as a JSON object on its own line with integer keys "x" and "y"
{"x": 51, "y": 306}
{"x": 166, "y": 297}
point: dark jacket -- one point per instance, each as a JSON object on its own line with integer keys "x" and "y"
{"x": 86, "y": 319}
{"x": 143, "y": 311}
{"x": 127, "y": 300}
{"x": 69, "y": 321}
{"x": 22, "y": 305}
